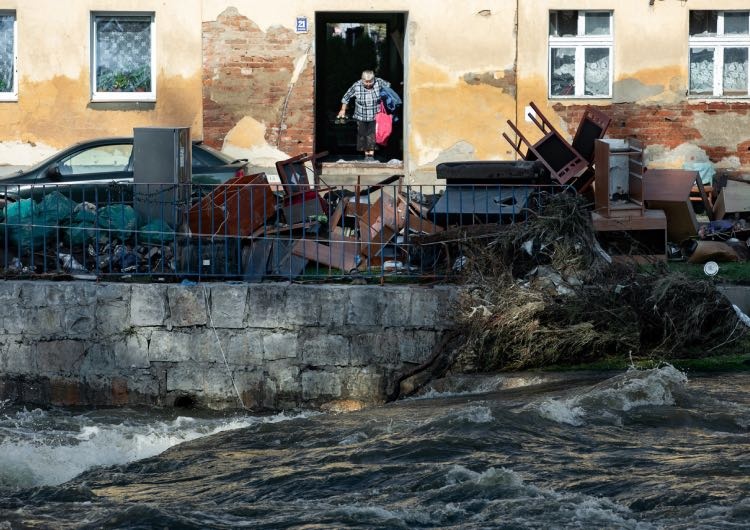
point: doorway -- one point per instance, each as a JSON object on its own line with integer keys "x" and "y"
{"x": 347, "y": 43}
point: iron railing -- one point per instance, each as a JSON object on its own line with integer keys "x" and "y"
{"x": 248, "y": 232}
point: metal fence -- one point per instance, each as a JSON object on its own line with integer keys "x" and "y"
{"x": 246, "y": 231}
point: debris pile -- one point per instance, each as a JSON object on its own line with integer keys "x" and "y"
{"x": 543, "y": 293}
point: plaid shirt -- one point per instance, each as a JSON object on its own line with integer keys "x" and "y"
{"x": 367, "y": 100}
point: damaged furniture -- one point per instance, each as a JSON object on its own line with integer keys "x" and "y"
{"x": 624, "y": 226}
{"x": 564, "y": 161}
{"x": 734, "y": 198}
{"x": 486, "y": 191}
{"x": 669, "y": 190}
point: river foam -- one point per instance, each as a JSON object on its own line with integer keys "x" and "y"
{"x": 634, "y": 388}
{"x": 33, "y": 456}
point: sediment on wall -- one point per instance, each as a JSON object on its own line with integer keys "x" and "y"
{"x": 260, "y": 346}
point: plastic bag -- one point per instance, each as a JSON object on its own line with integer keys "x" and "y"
{"x": 120, "y": 220}
{"x": 383, "y": 125}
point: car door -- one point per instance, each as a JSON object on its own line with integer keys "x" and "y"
{"x": 98, "y": 174}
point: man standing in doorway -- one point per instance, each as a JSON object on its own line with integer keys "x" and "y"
{"x": 366, "y": 92}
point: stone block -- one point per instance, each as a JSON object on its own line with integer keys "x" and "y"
{"x": 280, "y": 346}
{"x": 186, "y": 376}
{"x": 366, "y": 306}
{"x": 365, "y": 384}
{"x": 417, "y": 346}
{"x": 333, "y": 301}
{"x": 10, "y": 291}
{"x": 244, "y": 348}
{"x": 320, "y": 384}
{"x": 303, "y": 305}
{"x": 17, "y": 357}
{"x": 148, "y": 305}
{"x": 286, "y": 377}
{"x": 228, "y": 305}
{"x": 425, "y": 308}
{"x": 376, "y": 348}
{"x": 60, "y": 357}
{"x": 266, "y": 304}
{"x": 325, "y": 350}
{"x": 211, "y": 379}
{"x": 187, "y": 305}
{"x": 397, "y": 311}
{"x": 112, "y": 317}
{"x": 110, "y": 292}
{"x": 99, "y": 361}
{"x": 179, "y": 346}
{"x": 79, "y": 321}
{"x": 132, "y": 351}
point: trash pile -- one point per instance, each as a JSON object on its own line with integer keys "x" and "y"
{"x": 544, "y": 292}
{"x": 57, "y": 233}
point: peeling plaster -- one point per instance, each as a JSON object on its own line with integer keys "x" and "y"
{"x": 631, "y": 90}
{"x": 505, "y": 82}
{"x": 722, "y": 128}
{"x": 660, "y": 156}
{"x": 448, "y": 112}
{"x": 459, "y": 152}
{"x": 247, "y": 140}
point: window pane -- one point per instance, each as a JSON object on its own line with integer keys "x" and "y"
{"x": 563, "y": 23}
{"x": 6, "y": 53}
{"x": 596, "y": 72}
{"x": 735, "y": 22}
{"x": 703, "y": 23}
{"x": 563, "y": 74}
{"x": 123, "y": 54}
{"x": 597, "y": 23}
{"x": 701, "y": 70}
{"x": 97, "y": 160}
{"x": 735, "y": 71}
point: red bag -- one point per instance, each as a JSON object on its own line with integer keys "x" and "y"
{"x": 383, "y": 125}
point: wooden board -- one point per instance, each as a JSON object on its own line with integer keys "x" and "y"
{"x": 734, "y": 198}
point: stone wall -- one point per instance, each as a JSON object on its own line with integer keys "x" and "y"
{"x": 281, "y": 345}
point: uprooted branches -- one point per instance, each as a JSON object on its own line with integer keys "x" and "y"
{"x": 542, "y": 292}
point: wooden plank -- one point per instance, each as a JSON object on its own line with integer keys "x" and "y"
{"x": 650, "y": 220}
{"x": 337, "y": 254}
{"x": 668, "y": 184}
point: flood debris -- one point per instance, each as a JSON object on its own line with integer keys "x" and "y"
{"x": 541, "y": 293}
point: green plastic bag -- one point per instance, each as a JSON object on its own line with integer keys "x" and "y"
{"x": 119, "y": 220}
{"x": 156, "y": 232}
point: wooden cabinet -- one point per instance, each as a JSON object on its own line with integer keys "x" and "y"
{"x": 618, "y": 179}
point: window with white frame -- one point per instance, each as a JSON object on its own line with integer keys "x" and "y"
{"x": 580, "y": 54}
{"x": 719, "y": 42}
{"x": 122, "y": 62}
{"x": 8, "y": 77}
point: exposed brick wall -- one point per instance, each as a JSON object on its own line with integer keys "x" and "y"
{"x": 246, "y": 72}
{"x": 668, "y": 125}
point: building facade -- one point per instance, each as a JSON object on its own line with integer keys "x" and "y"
{"x": 263, "y": 80}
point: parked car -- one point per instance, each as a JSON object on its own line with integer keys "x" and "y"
{"x": 95, "y": 171}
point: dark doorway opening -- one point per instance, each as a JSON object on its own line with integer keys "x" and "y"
{"x": 346, "y": 44}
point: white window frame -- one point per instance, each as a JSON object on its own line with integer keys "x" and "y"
{"x": 12, "y": 95}
{"x": 719, "y": 42}
{"x": 581, "y": 42}
{"x": 122, "y": 96}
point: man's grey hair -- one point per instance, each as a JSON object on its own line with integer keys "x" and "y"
{"x": 368, "y": 75}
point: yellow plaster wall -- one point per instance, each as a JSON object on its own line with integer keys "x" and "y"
{"x": 460, "y": 79}
{"x": 650, "y": 57}
{"x": 54, "y": 105}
